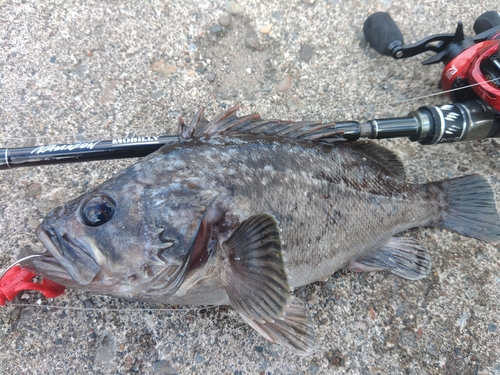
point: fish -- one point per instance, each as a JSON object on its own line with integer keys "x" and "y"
{"x": 240, "y": 211}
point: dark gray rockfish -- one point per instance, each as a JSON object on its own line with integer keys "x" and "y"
{"x": 242, "y": 210}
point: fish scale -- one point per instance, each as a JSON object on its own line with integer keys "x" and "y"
{"x": 366, "y": 219}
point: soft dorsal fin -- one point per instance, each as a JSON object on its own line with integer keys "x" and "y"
{"x": 228, "y": 124}
{"x": 380, "y": 155}
{"x": 257, "y": 285}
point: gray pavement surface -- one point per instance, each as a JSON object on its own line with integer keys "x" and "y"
{"x": 97, "y": 70}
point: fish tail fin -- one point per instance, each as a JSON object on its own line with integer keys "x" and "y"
{"x": 471, "y": 209}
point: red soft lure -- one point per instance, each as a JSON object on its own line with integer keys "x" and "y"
{"x": 18, "y": 279}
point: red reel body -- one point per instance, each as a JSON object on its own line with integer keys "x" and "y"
{"x": 467, "y": 69}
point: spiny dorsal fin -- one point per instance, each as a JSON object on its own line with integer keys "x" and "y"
{"x": 381, "y": 155}
{"x": 228, "y": 124}
{"x": 257, "y": 285}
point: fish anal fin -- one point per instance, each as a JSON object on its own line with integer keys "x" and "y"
{"x": 257, "y": 285}
{"x": 402, "y": 256}
{"x": 380, "y": 155}
{"x": 230, "y": 125}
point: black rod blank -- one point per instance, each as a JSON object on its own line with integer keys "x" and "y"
{"x": 82, "y": 151}
{"x": 428, "y": 125}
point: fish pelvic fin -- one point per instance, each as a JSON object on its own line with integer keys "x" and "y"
{"x": 470, "y": 208}
{"x": 258, "y": 288}
{"x": 229, "y": 124}
{"x": 402, "y": 256}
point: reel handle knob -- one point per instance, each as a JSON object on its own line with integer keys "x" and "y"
{"x": 383, "y": 34}
{"x": 487, "y": 21}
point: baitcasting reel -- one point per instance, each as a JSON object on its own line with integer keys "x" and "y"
{"x": 472, "y": 64}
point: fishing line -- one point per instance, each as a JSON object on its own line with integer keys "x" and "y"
{"x": 2, "y": 273}
{"x": 117, "y": 310}
{"x": 345, "y": 108}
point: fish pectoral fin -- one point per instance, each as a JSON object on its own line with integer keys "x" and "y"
{"x": 257, "y": 285}
{"x": 402, "y": 256}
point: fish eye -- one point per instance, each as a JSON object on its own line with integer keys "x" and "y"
{"x": 98, "y": 210}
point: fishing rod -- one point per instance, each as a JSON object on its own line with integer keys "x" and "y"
{"x": 471, "y": 76}
{"x": 427, "y": 125}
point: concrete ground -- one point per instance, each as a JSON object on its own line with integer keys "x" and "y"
{"x": 92, "y": 70}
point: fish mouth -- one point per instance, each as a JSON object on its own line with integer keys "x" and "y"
{"x": 65, "y": 254}
{"x": 72, "y": 263}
